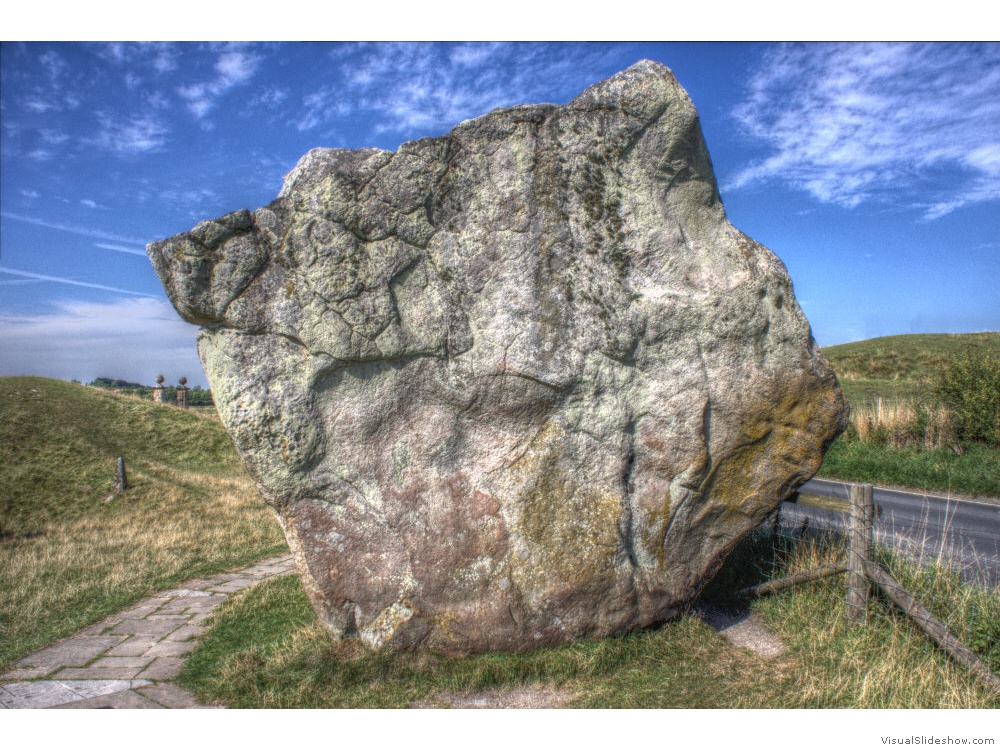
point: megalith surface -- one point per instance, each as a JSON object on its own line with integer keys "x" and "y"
{"x": 512, "y": 386}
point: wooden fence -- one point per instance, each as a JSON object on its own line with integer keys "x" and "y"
{"x": 863, "y": 572}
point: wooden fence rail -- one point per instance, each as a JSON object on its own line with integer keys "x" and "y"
{"x": 862, "y": 571}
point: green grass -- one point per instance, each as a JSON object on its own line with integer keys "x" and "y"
{"x": 905, "y": 369}
{"x": 913, "y": 359}
{"x": 888, "y": 662}
{"x": 265, "y": 649}
{"x": 72, "y": 551}
{"x": 870, "y": 390}
{"x": 975, "y": 472}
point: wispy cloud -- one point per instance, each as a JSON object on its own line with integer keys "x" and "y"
{"x": 121, "y": 249}
{"x": 424, "y": 89}
{"x": 53, "y": 64}
{"x": 156, "y": 56}
{"x": 232, "y": 68}
{"x": 71, "y": 282}
{"x": 54, "y": 137}
{"x": 136, "y": 134}
{"x": 96, "y": 234}
{"x": 134, "y": 339}
{"x": 854, "y": 124}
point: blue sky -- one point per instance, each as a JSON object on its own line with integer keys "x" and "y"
{"x": 871, "y": 170}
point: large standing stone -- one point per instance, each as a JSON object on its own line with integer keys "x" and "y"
{"x": 511, "y": 386}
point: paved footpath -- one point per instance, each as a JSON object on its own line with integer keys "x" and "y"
{"x": 129, "y": 659}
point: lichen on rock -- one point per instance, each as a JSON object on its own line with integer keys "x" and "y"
{"x": 512, "y": 386}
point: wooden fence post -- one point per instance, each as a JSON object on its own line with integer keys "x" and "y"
{"x": 858, "y": 553}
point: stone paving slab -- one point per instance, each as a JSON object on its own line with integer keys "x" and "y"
{"x": 159, "y": 626}
{"x": 123, "y": 662}
{"x": 184, "y": 603}
{"x": 76, "y": 651}
{"x": 124, "y": 699}
{"x": 48, "y": 693}
{"x": 95, "y": 673}
{"x": 26, "y": 673}
{"x": 185, "y": 633}
{"x": 187, "y": 592}
{"x": 163, "y": 668}
{"x": 137, "y": 645}
{"x": 127, "y": 660}
{"x": 236, "y": 584}
{"x": 171, "y": 648}
{"x": 169, "y": 695}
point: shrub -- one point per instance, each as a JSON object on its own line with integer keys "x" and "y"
{"x": 970, "y": 387}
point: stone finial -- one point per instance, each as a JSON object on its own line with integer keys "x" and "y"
{"x": 158, "y": 389}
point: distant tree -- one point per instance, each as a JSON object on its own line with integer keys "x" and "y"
{"x": 104, "y": 382}
{"x": 197, "y": 396}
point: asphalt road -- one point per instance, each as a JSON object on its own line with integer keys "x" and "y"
{"x": 965, "y": 532}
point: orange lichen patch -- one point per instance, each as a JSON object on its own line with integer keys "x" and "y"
{"x": 572, "y": 536}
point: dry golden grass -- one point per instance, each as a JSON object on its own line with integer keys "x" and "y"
{"x": 71, "y": 551}
{"x": 72, "y": 573}
{"x": 888, "y": 662}
{"x": 901, "y": 424}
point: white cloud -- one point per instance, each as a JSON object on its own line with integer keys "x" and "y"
{"x": 40, "y": 154}
{"x": 160, "y": 57}
{"x": 165, "y": 59}
{"x": 96, "y": 234}
{"x": 424, "y": 89}
{"x": 269, "y": 98}
{"x": 131, "y": 339}
{"x": 194, "y": 201}
{"x": 53, "y": 64}
{"x": 135, "y": 135}
{"x": 70, "y": 282}
{"x": 40, "y": 105}
{"x": 235, "y": 67}
{"x": 910, "y": 124}
{"x": 232, "y": 68}
{"x": 120, "y": 249}
{"x": 54, "y": 137}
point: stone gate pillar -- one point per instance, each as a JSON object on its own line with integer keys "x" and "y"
{"x": 182, "y": 393}
{"x": 158, "y": 389}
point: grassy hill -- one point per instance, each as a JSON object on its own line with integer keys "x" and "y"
{"x": 900, "y": 366}
{"x": 71, "y": 550}
{"x": 899, "y": 434}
